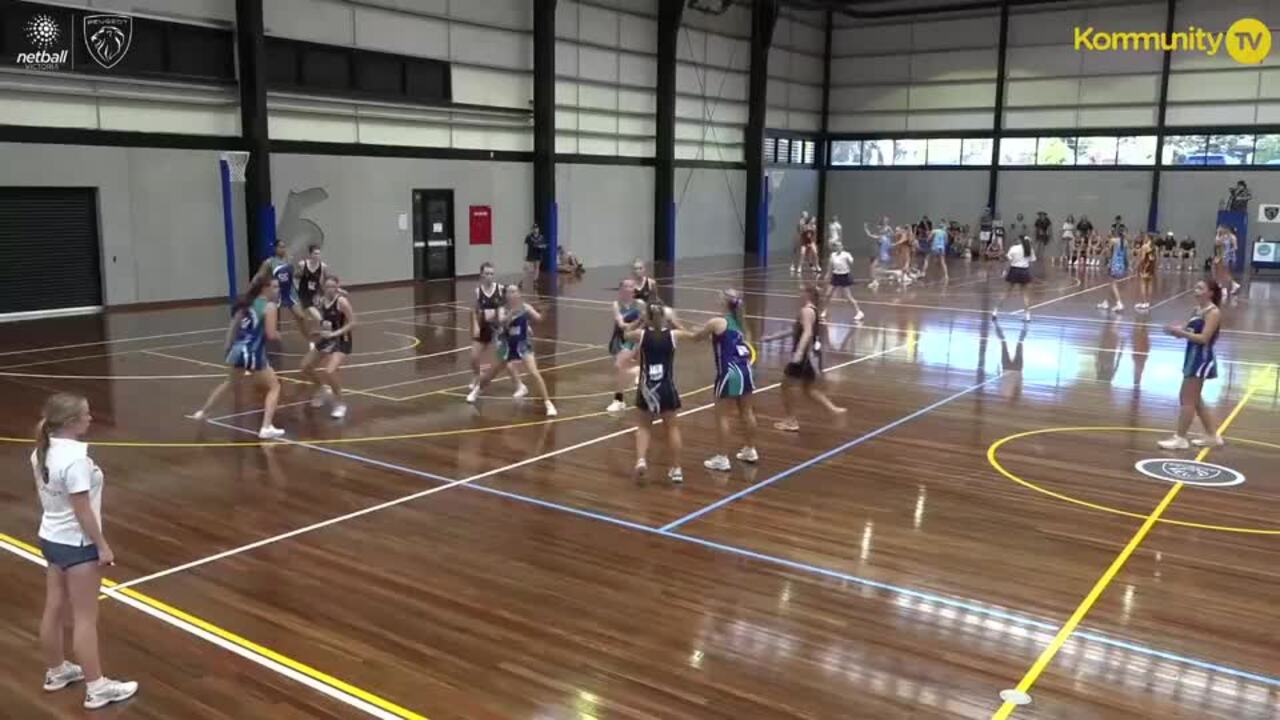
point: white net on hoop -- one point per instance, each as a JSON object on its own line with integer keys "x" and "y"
{"x": 236, "y": 162}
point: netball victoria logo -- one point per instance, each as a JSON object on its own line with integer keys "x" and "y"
{"x": 47, "y": 39}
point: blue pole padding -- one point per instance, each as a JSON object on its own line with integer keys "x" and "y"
{"x": 228, "y": 229}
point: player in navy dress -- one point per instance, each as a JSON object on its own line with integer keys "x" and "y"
{"x": 515, "y": 346}
{"x": 334, "y": 318}
{"x": 805, "y": 369}
{"x": 490, "y": 299}
{"x": 734, "y": 381}
{"x": 656, "y": 394}
{"x": 282, "y": 269}
{"x": 252, "y": 325}
{"x": 1199, "y": 364}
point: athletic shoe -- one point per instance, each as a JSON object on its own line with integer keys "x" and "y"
{"x": 873, "y": 285}
{"x": 1177, "y": 442}
{"x": 472, "y": 386}
{"x": 859, "y": 316}
{"x": 339, "y": 412}
{"x": 1104, "y": 305}
{"x": 520, "y": 391}
{"x": 1119, "y": 307}
{"x": 551, "y": 410}
{"x": 1026, "y": 317}
{"x": 616, "y": 406}
{"x": 642, "y": 469}
{"x": 108, "y": 691}
{"x": 62, "y": 676}
{"x": 471, "y": 396}
{"x": 321, "y": 396}
{"x": 718, "y": 462}
{"x": 1235, "y": 287}
{"x": 198, "y": 416}
{"x": 748, "y": 455}
{"x": 995, "y": 312}
{"x": 676, "y": 476}
{"x": 270, "y": 432}
{"x": 785, "y": 426}
{"x": 1214, "y": 442}
{"x": 793, "y": 269}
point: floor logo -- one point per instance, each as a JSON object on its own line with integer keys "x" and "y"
{"x": 1247, "y": 41}
{"x": 1189, "y": 472}
{"x": 48, "y": 42}
{"x": 108, "y": 37}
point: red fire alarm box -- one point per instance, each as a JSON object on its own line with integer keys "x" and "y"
{"x": 481, "y": 225}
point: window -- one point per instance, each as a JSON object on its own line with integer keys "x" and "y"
{"x": 877, "y": 152}
{"x": 810, "y": 152}
{"x": 849, "y": 152}
{"x": 1136, "y": 150}
{"x": 1229, "y": 150}
{"x": 1056, "y": 151}
{"x": 976, "y": 151}
{"x": 909, "y": 152}
{"x": 944, "y": 151}
{"x": 1185, "y": 150}
{"x": 784, "y": 149}
{"x": 1096, "y": 151}
{"x": 797, "y": 152}
{"x": 1018, "y": 151}
{"x": 770, "y": 147}
{"x": 1267, "y": 150}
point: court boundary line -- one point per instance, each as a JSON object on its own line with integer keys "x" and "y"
{"x": 299, "y": 672}
{"x": 784, "y": 474}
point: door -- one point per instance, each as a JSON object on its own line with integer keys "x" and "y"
{"x": 49, "y": 250}
{"x": 433, "y": 236}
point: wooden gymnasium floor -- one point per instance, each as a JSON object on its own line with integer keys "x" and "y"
{"x": 425, "y": 559}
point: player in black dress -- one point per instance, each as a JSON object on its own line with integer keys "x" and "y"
{"x": 311, "y": 273}
{"x": 490, "y": 299}
{"x": 333, "y": 318}
{"x": 656, "y": 393}
{"x": 805, "y": 369}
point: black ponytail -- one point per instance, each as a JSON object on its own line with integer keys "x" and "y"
{"x": 255, "y": 289}
{"x": 1026, "y": 246}
{"x": 1215, "y": 291}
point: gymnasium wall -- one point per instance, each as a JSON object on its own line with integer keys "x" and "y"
{"x": 1189, "y": 202}
{"x": 904, "y": 195}
{"x": 360, "y": 218}
{"x": 1101, "y": 195}
{"x": 159, "y": 211}
{"x": 710, "y": 203}
{"x": 606, "y": 212}
{"x": 796, "y": 64}
{"x": 713, "y": 60}
{"x": 791, "y": 191}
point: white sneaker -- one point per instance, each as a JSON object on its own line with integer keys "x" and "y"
{"x": 551, "y": 410}
{"x": 1026, "y": 317}
{"x": 1119, "y": 307}
{"x": 198, "y": 416}
{"x": 62, "y": 676}
{"x": 270, "y": 432}
{"x": 471, "y": 396}
{"x": 1177, "y": 442}
{"x": 1104, "y": 305}
{"x": 339, "y": 412}
{"x": 873, "y": 285}
{"x": 616, "y": 406}
{"x": 108, "y": 691}
{"x": 748, "y": 455}
{"x": 859, "y": 316}
{"x": 995, "y": 312}
{"x": 520, "y": 391}
{"x": 793, "y": 269}
{"x": 718, "y": 462}
{"x": 1215, "y": 442}
{"x": 676, "y": 476}
{"x": 321, "y": 396}
{"x": 1235, "y": 287}
{"x": 642, "y": 469}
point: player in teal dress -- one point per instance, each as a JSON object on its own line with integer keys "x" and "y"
{"x": 734, "y": 381}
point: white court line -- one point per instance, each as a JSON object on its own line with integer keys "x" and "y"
{"x": 1170, "y": 299}
{"x": 231, "y": 647}
{"x": 438, "y": 488}
{"x": 465, "y": 329}
{"x": 1080, "y": 292}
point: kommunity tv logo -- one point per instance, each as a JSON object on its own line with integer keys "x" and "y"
{"x": 1247, "y": 41}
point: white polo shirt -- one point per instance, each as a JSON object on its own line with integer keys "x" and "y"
{"x": 71, "y": 471}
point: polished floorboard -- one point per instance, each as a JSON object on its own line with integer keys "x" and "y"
{"x": 427, "y": 558}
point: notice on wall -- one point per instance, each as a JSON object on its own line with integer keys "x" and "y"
{"x": 481, "y": 225}
{"x": 1269, "y": 213}
{"x": 402, "y": 221}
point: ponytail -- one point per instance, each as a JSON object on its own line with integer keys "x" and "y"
{"x": 255, "y": 289}
{"x": 59, "y": 409}
{"x": 733, "y": 300}
{"x": 1026, "y": 247}
{"x": 656, "y": 315}
{"x": 1215, "y": 291}
{"x": 42, "y": 448}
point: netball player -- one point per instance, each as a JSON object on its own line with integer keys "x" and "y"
{"x": 1146, "y": 262}
{"x": 656, "y": 394}
{"x": 628, "y": 311}
{"x": 1199, "y": 364}
{"x": 938, "y": 249}
{"x": 75, "y": 550}
{"x": 311, "y": 272}
{"x": 646, "y": 288}
{"x": 882, "y": 266}
{"x": 1225, "y": 245}
{"x": 797, "y": 244}
{"x": 332, "y": 345}
{"x": 490, "y": 299}
{"x": 279, "y": 267}
{"x": 1117, "y": 269}
{"x": 254, "y": 322}
{"x": 1018, "y": 275}
{"x": 840, "y": 276}
{"x": 805, "y": 368}
{"x": 734, "y": 381}
{"x": 809, "y": 246}
{"x": 515, "y": 346}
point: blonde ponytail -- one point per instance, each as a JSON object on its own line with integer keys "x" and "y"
{"x": 59, "y": 409}
{"x": 42, "y": 448}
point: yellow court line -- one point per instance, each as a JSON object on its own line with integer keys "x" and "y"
{"x": 284, "y": 378}
{"x": 238, "y": 640}
{"x": 1064, "y": 633}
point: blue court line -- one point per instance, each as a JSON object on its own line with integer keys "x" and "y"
{"x": 824, "y": 456}
{"x": 967, "y": 605}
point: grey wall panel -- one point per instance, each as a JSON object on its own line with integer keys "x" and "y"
{"x": 1100, "y": 195}
{"x": 904, "y": 195}
{"x": 360, "y": 218}
{"x": 709, "y": 211}
{"x": 606, "y": 212}
{"x": 1189, "y": 202}
{"x": 791, "y": 191}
